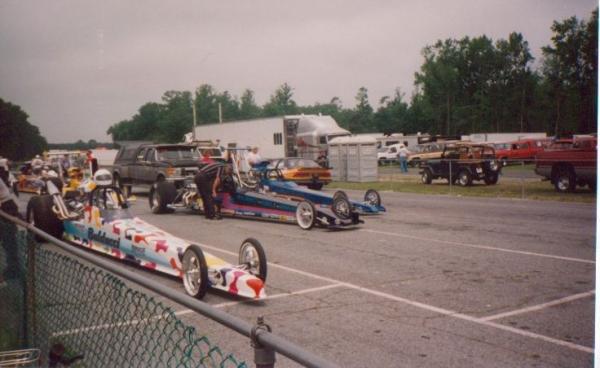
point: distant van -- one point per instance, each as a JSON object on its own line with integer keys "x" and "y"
{"x": 388, "y": 154}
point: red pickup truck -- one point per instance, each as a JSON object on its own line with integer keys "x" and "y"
{"x": 521, "y": 150}
{"x": 568, "y": 163}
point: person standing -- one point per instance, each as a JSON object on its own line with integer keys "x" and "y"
{"x": 403, "y": 153}
{"x": 8, "y": 240}
{"x": 65, "y": 164}
{"x": 204, "y": 180}
{"x": 206, "y": 159}
{"x": 37, "y": 165}
{"x": 253, "y": 157}
{"x": 322, "y": 159}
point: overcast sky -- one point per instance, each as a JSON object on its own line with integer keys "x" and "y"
{"x": 77, "y": 67}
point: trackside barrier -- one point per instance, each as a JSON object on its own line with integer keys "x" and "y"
{"x": 72, "y": 311}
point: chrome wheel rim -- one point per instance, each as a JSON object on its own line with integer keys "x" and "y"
{"x": 304, "y": 215}
{"x": 249, "y": 258}
{"x": 342, "y": 208}
{"x": 563, "y": 183}
{"x": 372, "y": 198}
{"x": 191, "y": 273}
{"x": 155, "y": 200}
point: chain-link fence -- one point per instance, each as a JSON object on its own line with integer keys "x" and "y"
{"x": 71, "y": 308}
{"x": 513, "y": 178}
{"x": 73, "y": 312}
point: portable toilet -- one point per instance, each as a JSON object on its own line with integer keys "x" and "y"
{"x": 353, "y": 158}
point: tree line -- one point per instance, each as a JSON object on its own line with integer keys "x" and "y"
{"x": 19, "y": 139}
{"x": 464, "y": 86}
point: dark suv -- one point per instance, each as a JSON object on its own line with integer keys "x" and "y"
{"x": 147, "y": 164}
{"x": 462, "y": 163}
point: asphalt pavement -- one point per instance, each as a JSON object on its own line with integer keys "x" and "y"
{"x": 437, "y": 281}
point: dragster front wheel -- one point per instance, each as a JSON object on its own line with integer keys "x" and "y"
{"x": 252, "y": 255}
{"x": 195, "y": 272}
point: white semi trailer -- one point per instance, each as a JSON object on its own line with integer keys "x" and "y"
{"x": 287, "y": 136}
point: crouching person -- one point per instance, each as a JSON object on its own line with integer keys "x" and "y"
{"x": 224, "y": 183}
{"x": 204, "y": 180}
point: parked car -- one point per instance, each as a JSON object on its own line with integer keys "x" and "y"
{"x": 388, "y": 154}
{"x": 521, "y": 150}
{"x": 302, "y": 171}
{"x": 568, "y": 163}
{"x": 147, "y": 164}
{"x": 463, "y": 163}
{"x": 425, "y": 151}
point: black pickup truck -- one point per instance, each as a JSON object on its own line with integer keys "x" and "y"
{"x": 147, "y": 164}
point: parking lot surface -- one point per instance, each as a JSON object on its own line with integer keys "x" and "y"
{"x": 437, "y": 281}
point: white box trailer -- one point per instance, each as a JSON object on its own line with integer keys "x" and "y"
{"x": 287, "y": 136}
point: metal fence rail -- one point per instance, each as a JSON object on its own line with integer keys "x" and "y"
{"x": 72, "y": 311}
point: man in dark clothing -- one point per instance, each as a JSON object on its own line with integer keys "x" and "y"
{"x": 8, "y": 238}
{"x": 204, "y": 183}
{"x": 224, "y": 183}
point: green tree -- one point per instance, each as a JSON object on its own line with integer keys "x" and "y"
{"x": 20, "y": 139}
{"x": 176, "y": 119}
{"x": 230, "y": 106}
{"x": 392, "y": 115}
{"x": 361, "y": 120}
{"x": 248, "y": 107}
{"x": 207, "y": 107}
{"x": 570, "y": 70}
{"x": 281, "y": 102}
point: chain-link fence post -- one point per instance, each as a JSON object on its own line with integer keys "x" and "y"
{"x": 450, "y": 177}
{"x": 522, "y": 180}
{"x": 29, "y": 284}
{"x": 263, "y": 357}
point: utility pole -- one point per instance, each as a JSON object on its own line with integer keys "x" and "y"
{"x": 220, "y": 114}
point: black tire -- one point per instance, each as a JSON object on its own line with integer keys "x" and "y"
{"x": 339, "y": 193}
{"x": 372, "y": 197}
{"x": 306, "y": 215}
{"x": 253, "y": 256}
{"x": 118, "y": 182}
{"x": 491, "y": 178}
{"x": 341, "y": 207}
{"x": 161, "y": 195}
{"x": 592, "y": 185}
{"x": 39, "y": 214}
{"x": 564, "y": 180}
{"x": 426, "y": 176}
{"x": 464, "y": 178}
{"x": 195, "y": 272}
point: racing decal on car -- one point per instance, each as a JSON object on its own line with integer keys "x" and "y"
{"x": 138, "y": 251}
{"x": 101, "y": 237}
{"x": 161, "y": 245}
{"x": 138, "y": 238}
